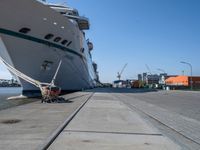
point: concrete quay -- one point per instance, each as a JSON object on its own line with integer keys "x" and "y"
{"x": 28, "y": 127}
{"x": 118, "y": 119}
{"x": 106, "y": 123}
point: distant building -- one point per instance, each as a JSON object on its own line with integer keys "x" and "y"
{"x": 119, "y": 84}
{"x": 9, "y": 83}
{"x": 162, "y": 78}
{"x": 183, "y": 81}
{"x": 148, "y": 79}
{"x": 140, "y": 77}
{"x": 144, "y": 77}
{"x": 152, "y": 79}
{"x": 137, "y": 84}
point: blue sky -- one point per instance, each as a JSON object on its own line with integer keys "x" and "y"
{"x": 160, "y": 33}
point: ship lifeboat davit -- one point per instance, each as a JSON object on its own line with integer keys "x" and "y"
{"x": 83, "y": 23}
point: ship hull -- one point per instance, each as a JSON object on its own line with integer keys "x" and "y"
{"x": 38, "y": 57}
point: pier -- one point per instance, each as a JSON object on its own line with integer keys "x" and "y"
{"x": 103, "y": 118}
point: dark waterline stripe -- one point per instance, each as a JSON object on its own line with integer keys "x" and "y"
{"x": 37, "y": 40}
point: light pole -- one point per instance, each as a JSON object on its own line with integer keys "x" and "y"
{"x": 191, "y": 83}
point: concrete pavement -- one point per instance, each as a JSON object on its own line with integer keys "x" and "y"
{"x": 106, "y": 123}
{"x": 172, "y": 111}
{"x": 111, "y": 119}
{"x": 27, "y": 127}
{"x": 185, "y": 103}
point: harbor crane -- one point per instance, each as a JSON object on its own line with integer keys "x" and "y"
{"x": 50, "y": 92}
{"x": 149, "y": 70}
{"x": 119, "y": 74}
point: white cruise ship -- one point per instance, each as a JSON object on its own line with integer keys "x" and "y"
{"x": 35, "y": 36}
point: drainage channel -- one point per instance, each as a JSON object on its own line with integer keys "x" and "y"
{"x": 57, "y": 132}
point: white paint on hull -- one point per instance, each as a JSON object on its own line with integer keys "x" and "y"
{"x": 28, "y": 56}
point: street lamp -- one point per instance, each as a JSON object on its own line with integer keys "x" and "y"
{"x": 191, "y": 83}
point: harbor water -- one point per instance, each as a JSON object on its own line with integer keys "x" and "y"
{"x": 6, "y": 92}
{"x": 10, "y": 91}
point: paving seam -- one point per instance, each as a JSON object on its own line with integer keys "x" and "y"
{"x": 103, "y": 132}
{"x": 77, "y": 97}
{"x": 57, "y": 132}
{"x": 154, "y": 118}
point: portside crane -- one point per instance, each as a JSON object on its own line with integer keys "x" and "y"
{"x": 119, "y": 74}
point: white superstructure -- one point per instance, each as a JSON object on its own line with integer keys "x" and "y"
{"x": 35, "y": 36}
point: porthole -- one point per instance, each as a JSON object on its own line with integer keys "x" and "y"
{"x": 24, "y": 30}
{"x": 64, "y": 42}
{"x": 69, "y": 43}
{"x": 49, "y": 36}
{"x": 82, "y": 50}
{"x": 57, "y": 39}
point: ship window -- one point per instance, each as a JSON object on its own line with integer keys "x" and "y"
{"x": 64, "y": 42}
{"x": 62, "y": 13}
{"x": 69, "y": 43}
{"x": 49, "y": 36}
{"x": 57, "y": 39}
{"x": 82, "y": 50}
{"x": 75, "y": 13}
{"x": 24, "y": 30}
{"x": 69, "y": 13}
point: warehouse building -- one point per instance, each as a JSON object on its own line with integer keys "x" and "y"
{"x": 183, "y": 81}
